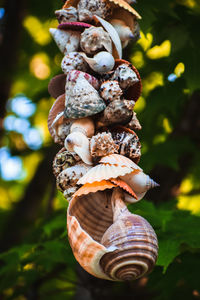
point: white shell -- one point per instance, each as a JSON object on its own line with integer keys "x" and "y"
{"x": 120, "y": 160}
{"x": 124, "y": 31}
{"x": 84, "y": 125}
{"x": 113, "y": 34}
{"x": 67, "y": 41}
{"x": 140, "y": 183}
{"x": 77, "y": 142}
{"x": 101, "y": 63}
{"x": 110, "y": 90}
{"x": 104, "y": 172}
{"x": 72, "y": 61}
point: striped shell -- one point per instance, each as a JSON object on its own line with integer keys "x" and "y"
{"x": 104, "y": 172}
{"x": 90, "y": 236}
{"x": 120, "y": 160}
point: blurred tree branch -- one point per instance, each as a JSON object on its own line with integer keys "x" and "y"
{"x": 10, "y": 32}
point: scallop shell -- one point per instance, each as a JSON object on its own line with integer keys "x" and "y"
{"x": 57, "y": 85}
{"x": 77, "y": 26}
{"x": 81, "y": 99}
{"x": 120, "y": 160}
{"x": 61, "y": 128}
{"x": 134, "y": 91}
{"x": 123, "y": 185}
{"x": 104, "y": 172}
{"x": 119, "y": 3}
{"x": 94, "y": 187}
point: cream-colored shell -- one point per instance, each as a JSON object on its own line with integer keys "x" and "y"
{"x": 67, "y": 41}
{"x": 84, "y": 125}
{"x": 104, "y": 172}
{"x": 120, "y": 160}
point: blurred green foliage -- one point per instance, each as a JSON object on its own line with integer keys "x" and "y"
{"x": 39, "y": 263}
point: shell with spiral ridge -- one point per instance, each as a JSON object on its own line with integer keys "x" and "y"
{"x": 100, "y": 244}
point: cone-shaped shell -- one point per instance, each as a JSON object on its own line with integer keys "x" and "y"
{"x": 119, "y": 160}
{"x": 120, "y": 3}
{"x": 81, "y": 98}
{"x": 57, "y": 85}
{"x": 134, "y": 91}
{"x": 67, "y": 41}
{"x": 140, "y": 183}
{"x": 104, "y": 172}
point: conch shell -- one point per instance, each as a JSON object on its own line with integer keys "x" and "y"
{"x": 101, "y": 243}
{"x": 101, "y": 63}
{"x": 63, "y": 160}
{"x": 77, "y": 142}
{"x": 95, "y": 39}
{"x": 81, "y": 98}
{"x": 102, "y": 144}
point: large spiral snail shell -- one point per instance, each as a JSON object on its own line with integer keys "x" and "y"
{"x": 101, "y": 243}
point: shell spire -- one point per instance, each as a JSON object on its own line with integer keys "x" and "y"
{"x": 93, "y": 120}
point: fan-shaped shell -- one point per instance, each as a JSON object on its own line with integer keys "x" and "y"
{"x": 104, "y": 171}
{"x": 119, "y": 160}
{"x": 57, "y": 85}
{"x": 79, "y": 26}
{"x": 94, "y": 187}
{"x": 119, "y": 3}
{"x": 134, "y": 91}
{"x": 123, "y": 185}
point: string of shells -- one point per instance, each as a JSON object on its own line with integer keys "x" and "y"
{"x": 94, "y": 122}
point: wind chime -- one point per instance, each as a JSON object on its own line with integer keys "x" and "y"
{"x": 93, "y": 119}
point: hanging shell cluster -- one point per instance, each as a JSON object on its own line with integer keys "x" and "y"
{"x": 93, "y": 120}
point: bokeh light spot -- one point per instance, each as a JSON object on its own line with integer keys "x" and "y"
{"x": 11, "y": 167}
{"x": 33, "y": 138}
{"x": 22, "y": 106}
{"x": 179, "y": 69}
{"x": 39, "y": 66}
{"x": 37, "y": 30}
{"x": 145, "y": 41}
{"x": 158, "y": 52}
